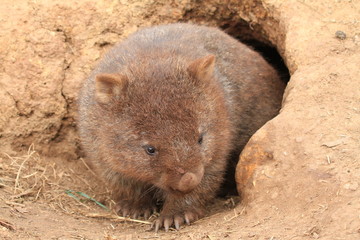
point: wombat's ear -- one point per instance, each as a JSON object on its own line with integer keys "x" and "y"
{"x": 110, "y": 86}
{"x": 202, "y": 68}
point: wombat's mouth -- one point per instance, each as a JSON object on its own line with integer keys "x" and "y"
{"x": 181, "y": 184}
{"x": 171, "y": 190}
{"x": 178, "y": 192}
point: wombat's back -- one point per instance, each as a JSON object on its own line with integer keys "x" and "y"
{"x": 252, "y": 88}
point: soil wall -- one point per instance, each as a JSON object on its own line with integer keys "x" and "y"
{"x": 299, "y": 175}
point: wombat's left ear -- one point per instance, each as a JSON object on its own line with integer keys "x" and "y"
{"x": 110, "y": 87}
{"x": 202, "y": 68}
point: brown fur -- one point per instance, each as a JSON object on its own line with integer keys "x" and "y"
{"x": 166, "y": 87}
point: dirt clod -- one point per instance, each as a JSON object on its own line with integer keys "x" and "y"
{"x": 340, "y": 35}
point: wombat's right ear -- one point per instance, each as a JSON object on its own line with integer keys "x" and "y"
{"x": 110, "y": 86}
{"x": 202, "y": 68}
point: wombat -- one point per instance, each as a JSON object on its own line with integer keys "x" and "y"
{"x": 164, "y": 110}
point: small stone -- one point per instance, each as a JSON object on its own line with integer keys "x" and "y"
{"x": 315, "y": 235}
{"x": 351, "y": 186}
{"x": 340, "y": 35}
{"x": 274, "y": 195}
{"x": 268, "y": 172}
{"x": 356, "y": 39}
{"x": 251, "y": 235}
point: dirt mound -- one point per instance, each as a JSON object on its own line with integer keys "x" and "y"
{"x": 299, "y": 175}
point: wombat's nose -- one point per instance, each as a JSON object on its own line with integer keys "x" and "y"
{"x": 189, "y": 181}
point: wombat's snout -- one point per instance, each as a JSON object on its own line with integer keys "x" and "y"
{"x": 189, "y": 181}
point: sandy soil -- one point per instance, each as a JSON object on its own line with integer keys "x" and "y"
{"x": 299, "y": 175}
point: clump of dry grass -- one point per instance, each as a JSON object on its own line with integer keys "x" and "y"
{"x": 21, "y": 176}
{"x": 30, "y": 177}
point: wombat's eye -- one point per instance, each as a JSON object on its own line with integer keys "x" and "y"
{"x": 150, "y": 150}
{"x": 200, "y": 140}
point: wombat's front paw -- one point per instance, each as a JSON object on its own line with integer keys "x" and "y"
{"x": 176, "y": 220}
{"x": 133, "y": 210}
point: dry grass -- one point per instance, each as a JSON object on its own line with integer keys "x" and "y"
{"x": 65, "y": 188}
{"x": 31, "y": 178}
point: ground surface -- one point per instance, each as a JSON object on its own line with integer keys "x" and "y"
{"x": 304, "y": 163}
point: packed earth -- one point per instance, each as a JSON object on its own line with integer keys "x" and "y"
{"x": 298, "y": 177}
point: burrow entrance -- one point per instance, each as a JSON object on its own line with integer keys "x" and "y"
{"x": 242, "y": 31}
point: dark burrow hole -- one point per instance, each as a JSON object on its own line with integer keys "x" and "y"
{"x": 254, "y": 39}
{"x": 257, "y": 41}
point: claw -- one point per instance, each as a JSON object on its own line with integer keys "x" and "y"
{"x": 146, "y": 214}
{"x": 178, "y": 221}
{"x": 117, "y": 208}
{"x": 191, "y": 217}
{"x": 187, "y": 220}
{"x": 135, "y": 215}
{"x": 177, "y": 226}
{"x": 168, "y": 221}
{"x": 158, "y": 225}
{"x": 125, "y": 209}
{"x": 125, "y": 212}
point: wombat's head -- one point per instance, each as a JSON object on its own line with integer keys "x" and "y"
{"x": 165, "y": 122}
